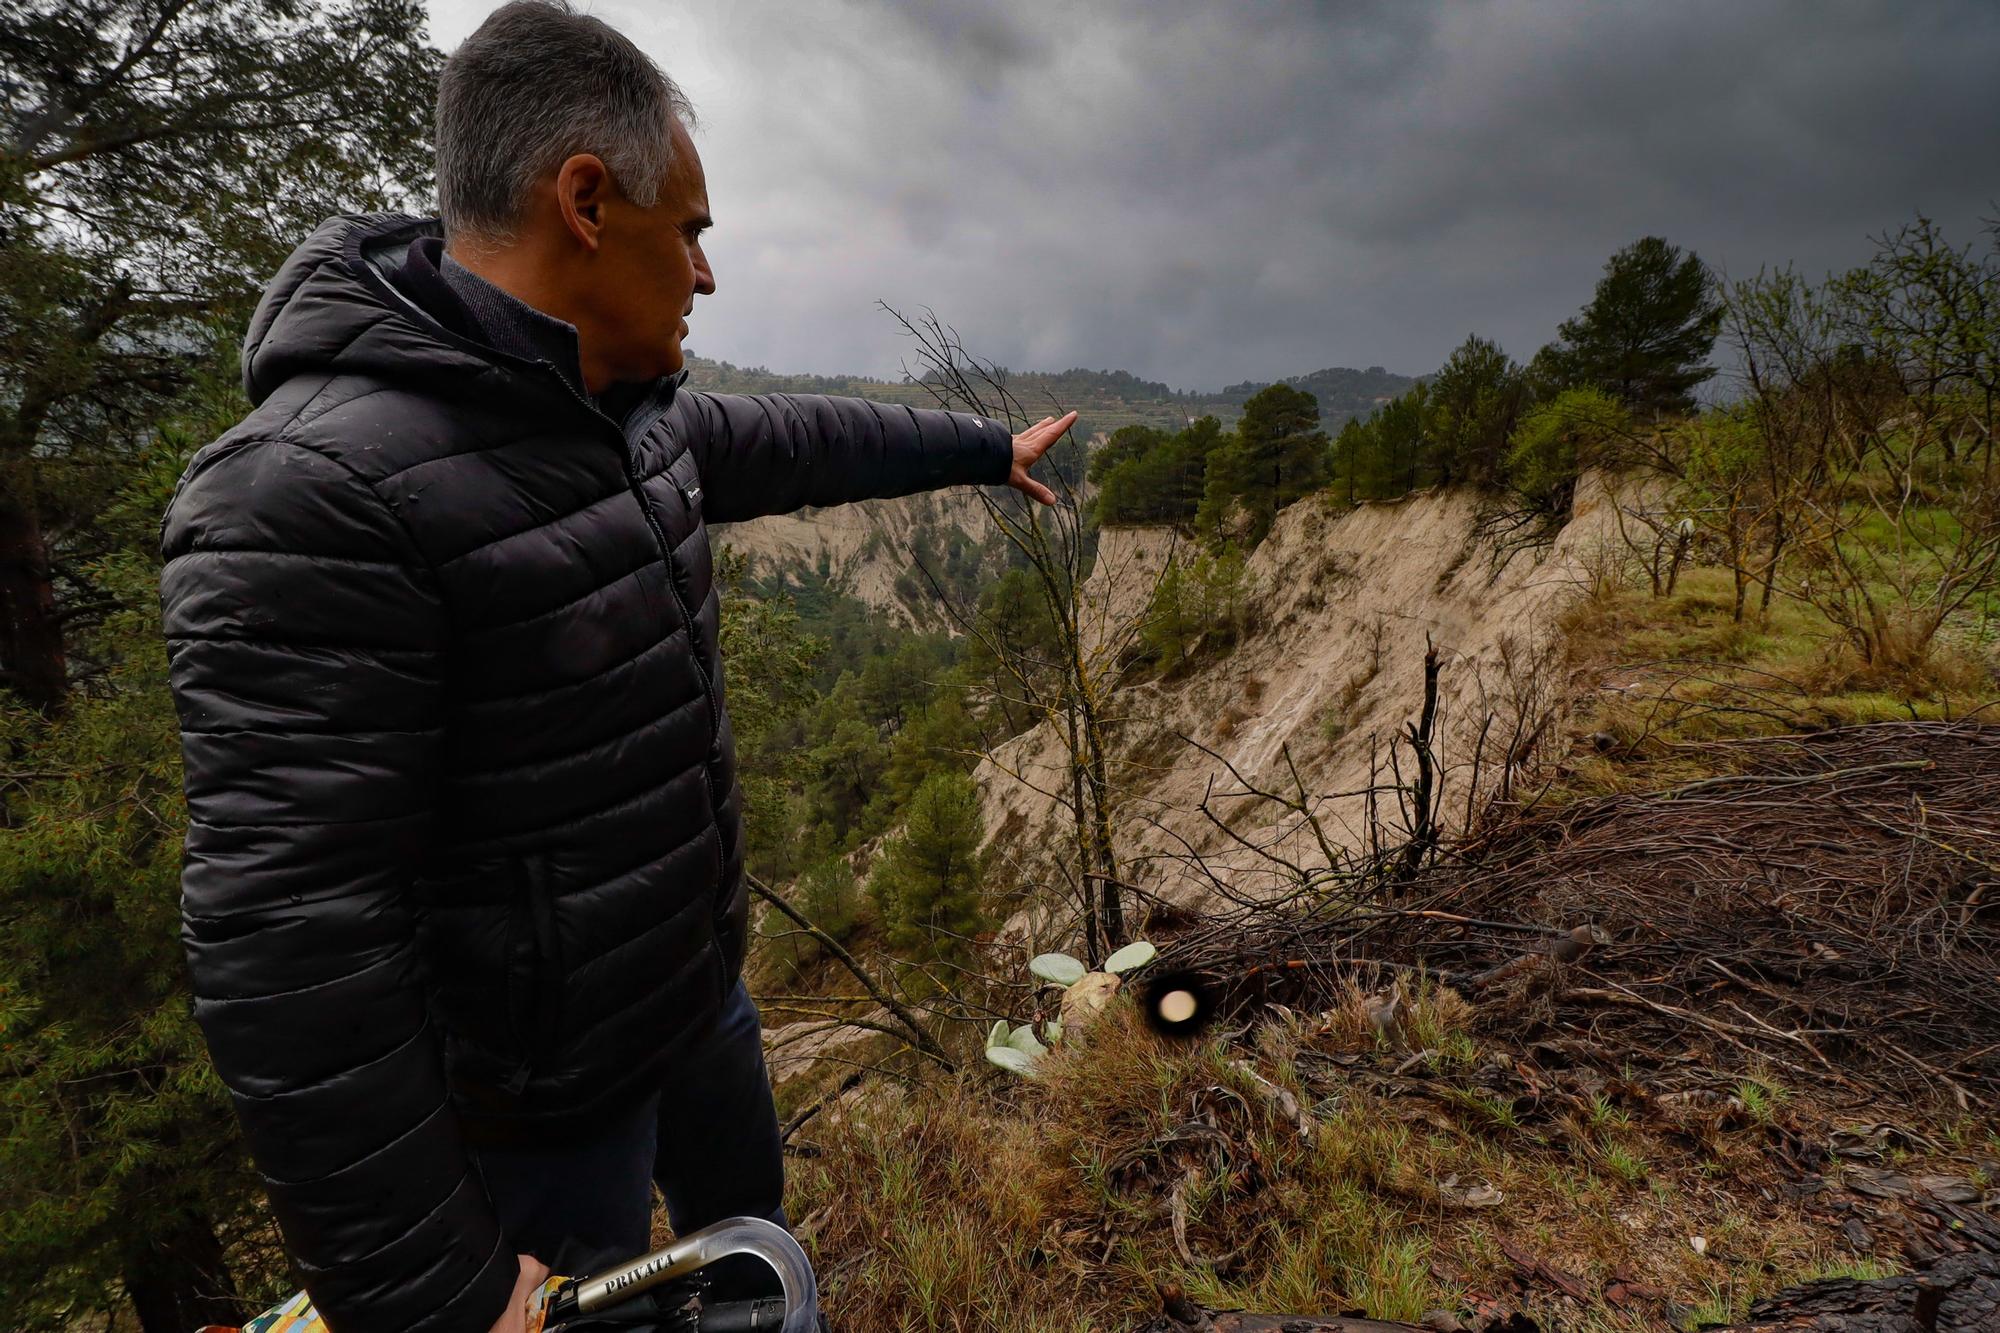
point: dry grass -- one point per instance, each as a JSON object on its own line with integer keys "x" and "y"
{"x": 988, "y": 1203}
{"x": 1665, "y": 670}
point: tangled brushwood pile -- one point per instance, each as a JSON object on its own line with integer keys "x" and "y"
{"x": 1823, "y": 916}
{"x": 1829, "y": 907}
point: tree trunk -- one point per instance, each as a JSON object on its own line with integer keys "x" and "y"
{"x": 1095, "y": 949}
{"x": 1110, "y": 907}
{"x": 1681, "y": 543}
{"x": 32, "y": 660}
{"x": 182, "y": 1281}
{"x": 1737, "y": 555}
{"x": 1104, "y": 915}
{"x": 1424, "y": 833}
{"x": 1778, "y": 537}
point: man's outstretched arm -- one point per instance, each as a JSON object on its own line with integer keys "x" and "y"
{"x": 773, "y": 453}
{"x": 306, "y": 645}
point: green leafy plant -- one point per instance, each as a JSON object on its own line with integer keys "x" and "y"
{"x": 1060, "y": 968}
{"x": 1064, "y": 970}
{"x": 1016, "y": 1048}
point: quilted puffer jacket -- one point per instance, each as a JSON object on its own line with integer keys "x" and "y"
{"x": 464, "y": 849}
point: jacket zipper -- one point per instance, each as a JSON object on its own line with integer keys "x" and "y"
{"x": 630, "y": 461}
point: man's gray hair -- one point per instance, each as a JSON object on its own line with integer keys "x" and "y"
{"x": 535, "y": 85}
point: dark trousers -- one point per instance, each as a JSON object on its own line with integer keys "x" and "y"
{"x": 708, "y": 1139}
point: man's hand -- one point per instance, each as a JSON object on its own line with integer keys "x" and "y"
{"x": 533, "y": 1274}
{"x": 1029, "y": 446}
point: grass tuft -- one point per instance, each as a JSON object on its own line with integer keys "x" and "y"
{"x": 986, "y": 1202}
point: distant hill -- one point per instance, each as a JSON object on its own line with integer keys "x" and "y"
{"x": 1342, "y": 391}
{"x": 1104, "y": 399}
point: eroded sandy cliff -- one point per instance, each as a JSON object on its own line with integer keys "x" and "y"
{"x": 1340, "y": 604}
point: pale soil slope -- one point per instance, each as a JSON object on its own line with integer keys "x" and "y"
{"x": 1322, "y": 590}
{"x": 865, "y": 546}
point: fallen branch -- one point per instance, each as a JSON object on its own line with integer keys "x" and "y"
{"x": 1729, "y": 1032}
{"x": 825, "y": 1100}
{"x": 1796, "y": 780}
{"x": 921, "y": 1040}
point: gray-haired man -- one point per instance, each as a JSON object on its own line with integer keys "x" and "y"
{"x": 463, "y": 897}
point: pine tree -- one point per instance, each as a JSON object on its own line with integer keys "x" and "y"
{"x": 1646, "y": 334}
{"x": 156, "y": 161}
{"x": 1477, "y": 397}
{"x": 1190, "y": 451}
{"x": 769, "y": 659}
{"x": 1147, "y": 476}
{"x": 1279, "y": 453}
{"x": 1126, "y": 444}
{"x": 1352, "y": 452}
{"x": 122, "y": 1177}
{"x": 1403, "y": 431}
{"x": 926, "y": 883}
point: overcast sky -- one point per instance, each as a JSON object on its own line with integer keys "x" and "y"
{"x": 1204, "y": 193}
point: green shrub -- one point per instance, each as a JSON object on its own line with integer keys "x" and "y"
{"x": 1200, "y": 600}
{"x": 830, "y": 896}
{"x": 1555, "y": 442}
{"x": 1148, "y": 476}
{"x": 926, "y": 882}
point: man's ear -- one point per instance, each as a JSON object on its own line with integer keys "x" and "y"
{"x": 583, "y": 186}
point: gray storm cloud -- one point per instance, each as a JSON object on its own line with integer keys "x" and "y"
{"x": 1205, "y": 193}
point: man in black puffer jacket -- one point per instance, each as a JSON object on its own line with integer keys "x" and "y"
{"x": 463, "y": 898}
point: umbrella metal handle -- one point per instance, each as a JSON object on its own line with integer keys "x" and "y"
{"x": 736, "y": 1235}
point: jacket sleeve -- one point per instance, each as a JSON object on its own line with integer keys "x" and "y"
{"x": 773, "y": 453}
{"x": 306, "y": 637}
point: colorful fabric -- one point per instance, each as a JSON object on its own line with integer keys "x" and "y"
{"x": 294, "y": 1316}
{"x": 538, "y": 1309}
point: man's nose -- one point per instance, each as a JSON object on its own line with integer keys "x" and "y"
{"x": 704, "y": 276}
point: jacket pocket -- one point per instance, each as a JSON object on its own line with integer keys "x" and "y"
{"x": 728, "y": 922}
{"x": 534, "y": 972}
{"x": 732, "y": 936}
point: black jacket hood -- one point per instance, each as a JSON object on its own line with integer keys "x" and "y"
{"x": 332, "y": 308}
{"x": 335, "y": 307}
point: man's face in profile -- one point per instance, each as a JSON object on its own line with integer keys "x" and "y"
{"x": 650, "y": 269}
